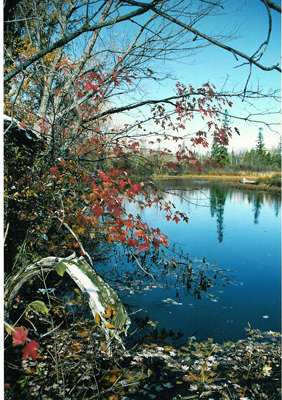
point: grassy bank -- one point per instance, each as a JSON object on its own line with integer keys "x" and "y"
{"x": 263, "y": 181}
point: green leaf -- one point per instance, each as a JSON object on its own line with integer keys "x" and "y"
{"x": 61, "y": 268}
{"x": 23, "y": 383}
{"x": 39, "y": 306}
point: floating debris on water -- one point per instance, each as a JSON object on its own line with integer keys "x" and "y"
{"x": 171, "y": 301}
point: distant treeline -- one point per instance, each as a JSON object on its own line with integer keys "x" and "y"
{"x": 250, "y": 160}
{"x": 217, "y": 160}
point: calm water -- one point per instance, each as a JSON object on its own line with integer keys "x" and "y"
{"x": 241, "y": 230}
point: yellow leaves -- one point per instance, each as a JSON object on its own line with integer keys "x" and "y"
{"x": 26, "y": 193}
{"x": 8, "y": 330}
{"x": 139, "y": 232}
{"x": 195, "y": 378}
{"x": 104, "y": 348}
{"x": 111, "y": 378}
{"x": 25, "y": 48}
{"x": 58, "y": 310}
{"x": 113, "y": 375}
{"x": 113, "y": 397}
{"x": 80, "y": 230}
{"x": 92, "y": 235}
{"x": 129, "y": 377}
{"x": 29, "y": 371}
{"x": 97, "y": 319}
{"x": 168, "y": 348}
{"x": 109, "y": 312}
{"x": 110, "y": 326}
{"x": 76, "y": 346}
{"x": 82, "y": 334}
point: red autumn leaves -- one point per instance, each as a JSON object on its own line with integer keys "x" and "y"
{"x": 20, "y": 338}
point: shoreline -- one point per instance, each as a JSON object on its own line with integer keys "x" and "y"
{"x": 232, "y": 180}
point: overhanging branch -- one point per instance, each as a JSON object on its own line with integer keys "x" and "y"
{"x": 235, "y": 52}
{"x": 65, "y": 40}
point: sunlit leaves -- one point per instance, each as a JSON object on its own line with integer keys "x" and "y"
{"x": 97, "y": 319}
{"x": 110, "y": 326}
{"x": 89, "y": 193}
{"x": 61, "y": 268}
{"x": 39, "y": 306}
{"x": 109, "y": 312}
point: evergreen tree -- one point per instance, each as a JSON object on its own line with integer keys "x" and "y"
{"x": 260, "y": 149}
{"x": 278, "y": 155}
{"x": 219, "y": 152}
{"x": 260, "y": 152}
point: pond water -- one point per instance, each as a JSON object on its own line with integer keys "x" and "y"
{"x": 241, "y": 230}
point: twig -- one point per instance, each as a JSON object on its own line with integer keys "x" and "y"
{"x": 6, "y": 232}
{"x": 140, "y": 266}
{"x": 76, "y": 238}
{"x": 54, "y": 328}
{"x": 13, "y": 104}
{"x": 49, "y": 332}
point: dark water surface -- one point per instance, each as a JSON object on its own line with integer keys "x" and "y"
{"x": 241, "y": 230}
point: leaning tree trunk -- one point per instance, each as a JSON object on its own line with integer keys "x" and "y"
{"x": 99, "y": 294}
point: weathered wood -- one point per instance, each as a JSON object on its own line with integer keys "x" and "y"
{"x": 244, "y": 180}
{"x": 99, "y": 293}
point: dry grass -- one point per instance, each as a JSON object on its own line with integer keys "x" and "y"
{"x": 233, "y": 179}
{"x": 220, "y": 175}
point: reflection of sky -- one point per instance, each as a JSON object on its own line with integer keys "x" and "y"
{"x": 251, "y": 250}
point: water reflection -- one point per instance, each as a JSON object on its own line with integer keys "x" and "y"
{"x": 257, "y": 207}
{"x": 214, "y": 194}
{"x": 247, "y": 220}
{"x": 218, "y": 195}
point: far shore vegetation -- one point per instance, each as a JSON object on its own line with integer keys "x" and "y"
{"x": 260, "y": 166}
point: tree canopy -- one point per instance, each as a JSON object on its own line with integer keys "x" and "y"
{"x": 76, "y": 74}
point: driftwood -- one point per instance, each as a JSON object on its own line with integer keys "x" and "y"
{"x": 100, "y": 295}
{"x": 244, "y": 180}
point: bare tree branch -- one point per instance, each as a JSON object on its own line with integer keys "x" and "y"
{"x": 272, "y": 5}
{"x": 189, "y": 28}
{"x": 67, "y": 39}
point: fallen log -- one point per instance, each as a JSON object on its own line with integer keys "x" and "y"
{"x": 244, "y": 180}
{"x": 99, "y": 294}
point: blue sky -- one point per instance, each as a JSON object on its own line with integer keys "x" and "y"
{"x": 248, "y": 21}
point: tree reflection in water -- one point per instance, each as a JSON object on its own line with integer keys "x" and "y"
{"x": 218, "y": 195}
{"x": 257, "y": 206}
